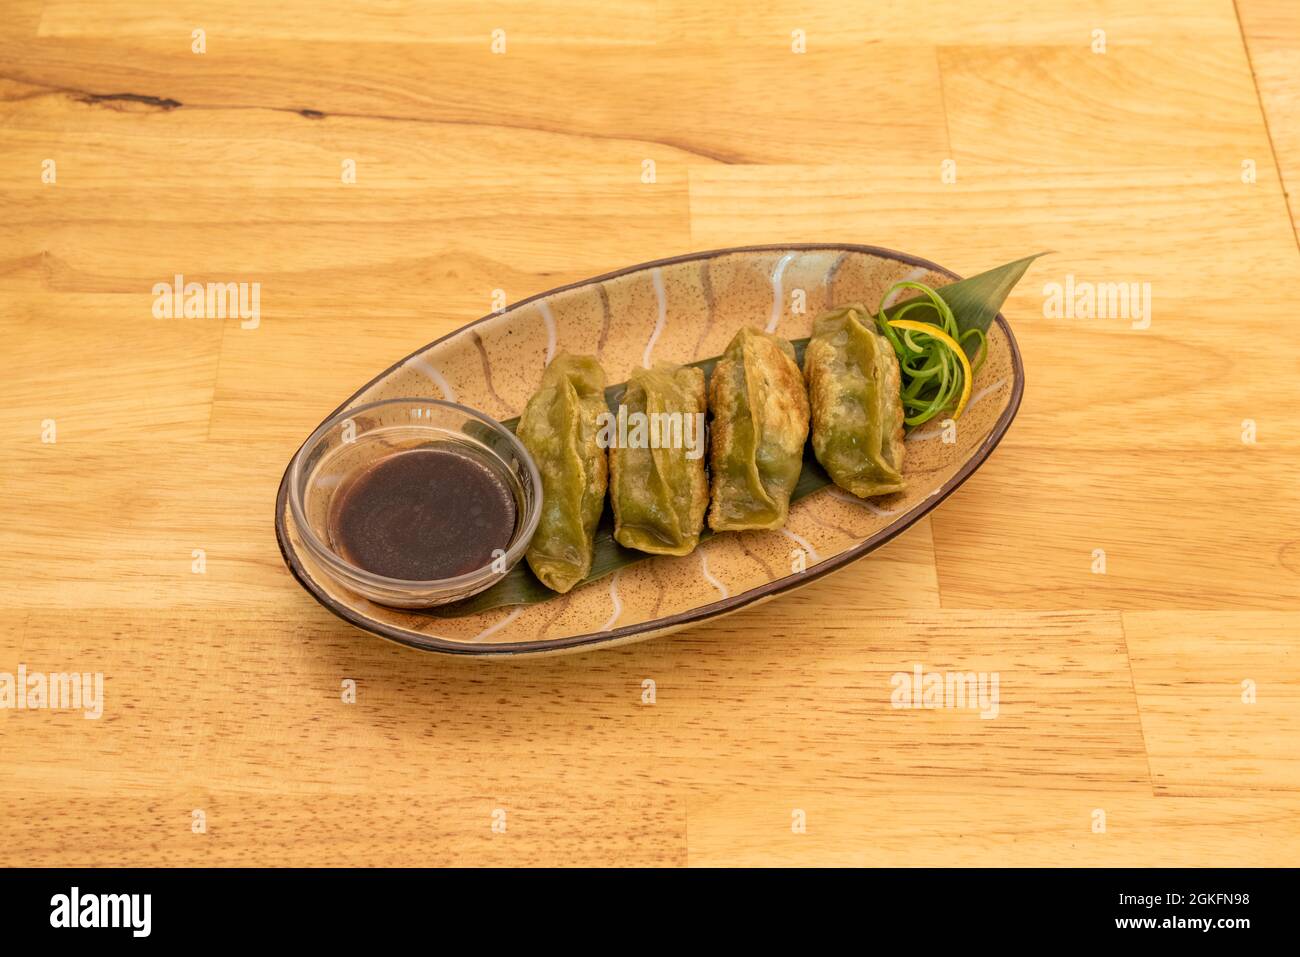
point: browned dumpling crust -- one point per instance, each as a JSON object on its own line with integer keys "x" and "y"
{"x": 759, "y": 407}
{"x": 560, "y": 428}
{"x": 659, "y": 494}
{"x": 855, "y": 389}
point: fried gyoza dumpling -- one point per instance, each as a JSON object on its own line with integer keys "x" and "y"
{"x": 659, "y": 494}
{"x": 559, "y": 428}
{"x": 854, "y": 386}
{"x": 760, "y": 423}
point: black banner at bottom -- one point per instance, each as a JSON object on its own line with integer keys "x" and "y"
{"x": 333, "y": 906}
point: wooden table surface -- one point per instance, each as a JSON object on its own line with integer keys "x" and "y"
{"x": 1148, "y": 715}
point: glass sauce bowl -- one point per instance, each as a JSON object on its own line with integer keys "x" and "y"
{"x": 353, "y": 440}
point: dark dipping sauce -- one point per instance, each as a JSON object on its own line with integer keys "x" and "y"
{"x": 422, "y": 515}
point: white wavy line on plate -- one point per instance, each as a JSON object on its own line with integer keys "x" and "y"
{"x": 704, "y": 567}
{"x": 984, "y": 392}
{"x": 657, "y": 277}
{"x": 802, "y": 543}
{"x": 613, "y": 597}
{"x": 493, "y": 629}
{"x": 915, "y": 275}
{"x": 978, "y": 396}
{"x": 778, "y": 304}
{"x": 421, "y": 365}
{"x": 549, "y": 319}
{"x": 871, "y": 507}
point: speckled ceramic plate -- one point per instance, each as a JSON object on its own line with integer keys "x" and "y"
{"x": 678, "y": 309}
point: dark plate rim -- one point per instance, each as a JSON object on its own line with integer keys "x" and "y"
{"x": 702, "y": 612}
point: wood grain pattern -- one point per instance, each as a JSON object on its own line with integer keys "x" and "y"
{"x": 1272, "y": 32}
{"x": 520, "y": 171}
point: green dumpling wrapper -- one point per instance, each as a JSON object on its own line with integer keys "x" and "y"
{"x": 559, "y": 427}
{"x": 854, "y": 388}
{"x": 759, "y": 405}
{"x": 659, "y": 494}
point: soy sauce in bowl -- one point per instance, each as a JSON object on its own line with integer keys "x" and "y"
{"x": 423, "y": 514}
{"x": 413, "y": 502}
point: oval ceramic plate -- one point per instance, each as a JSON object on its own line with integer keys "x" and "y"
{"x": 679, "y": 309}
